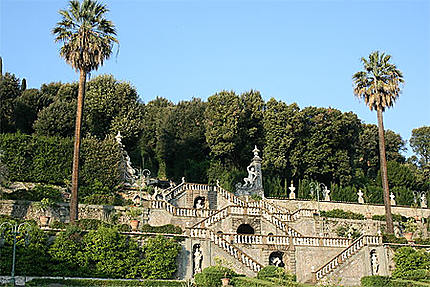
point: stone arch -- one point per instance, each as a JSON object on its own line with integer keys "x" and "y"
{"x": 277, "y": 258}
{"x": 199, "y": 202}
{"x": 245, "y": 229}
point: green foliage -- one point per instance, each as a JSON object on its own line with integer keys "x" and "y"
{"x": 348, "y": 231}
{"x": 168, "y": 228}
{"x": 339, "y": 213}
{"x": 159, "y": 258}
{"x": 48, "y": 159}
{"x": 345, "y": 194}
{"x": 103, "y": 283}
{"x": 31, "y": 250}
{"x": 375, "y": 281}
{"x": 408, "y": 259}
{"x": 420, "y": 143}
{"x": 57, "y": 119}
{"x": 271, "y": 271}
{"x": 391, "y": 238}
{"x": 211, "y": 276}
{"x": 10, "y": 90}
{"x": 39, "y": 192}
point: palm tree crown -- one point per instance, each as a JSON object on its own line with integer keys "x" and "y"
{"x": 379, "y": 83}
{"x": 88, "y": 37}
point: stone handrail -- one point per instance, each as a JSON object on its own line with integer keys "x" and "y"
{"x": 229, "y": 196}
{"x": 347, "y": 253}
{"x": 236, "y": 252}
{"x": 214, "y": 218}
{"x": 280, "y": 240}
{"x": 245, "y": 210}
{"x": 181, "y": 211}
{"x": 174, "y": 191}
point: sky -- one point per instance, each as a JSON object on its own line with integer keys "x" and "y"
{"x": 295, "y": 51}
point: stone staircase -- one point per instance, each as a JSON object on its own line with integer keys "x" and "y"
{"x": 345, "y": 255}
{"x": 235, "y": 252}
{"x": 181, "y": 211}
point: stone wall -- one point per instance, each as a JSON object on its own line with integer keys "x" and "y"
{"x": 373, "y": 209}
{"x": 60, "y": 211}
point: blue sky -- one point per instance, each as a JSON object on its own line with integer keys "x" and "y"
{"x": 295, "y": 51}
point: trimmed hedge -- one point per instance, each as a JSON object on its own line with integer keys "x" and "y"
{"x": 43, "y": 159}
{"x": 385, "y": 281}
{"x": 375, "y": 281}
{"x": 104, "y": 283}
{"x": 255, "y": 282}
{"x": 211, "y": 276}
{"x": 339, "y": 213}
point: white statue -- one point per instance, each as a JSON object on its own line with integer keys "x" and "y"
{"x": 374, "y": 261}
{"x": 198, "y": 256}
{"x": 277, "y": 261}
{"x": 118, "y": 138}
{"x": 292, "y": 189}
{"x": 252, "y": 175}
{"x": 199, "y": 204}
{"x": 392, "y": 199}
{"x": 423, "y": 200}
{"x": 326, "y": 194}
{"x": 360, "y": 196}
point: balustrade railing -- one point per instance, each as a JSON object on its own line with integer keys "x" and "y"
{"x": 347, "y": 253}
{"x": 180, "y": 211}
{"x": 235, "y": 252}
{"x": 255, "y": 239}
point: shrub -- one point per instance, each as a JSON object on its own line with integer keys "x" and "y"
{"x": 407, "y": 283}
{"x": 375, "y": 281}
{"x": 211, "y": 276}
{"x": 391, "y": 238}
{"x": 104, "y": 283}
{"x": 168, "y": 228}
{"x": 339, "y": 213}
{"x": 416, "y": 275}
{"x": 408, "y": 259}
{"x": 252, "y": 282}
{"x": 159, "y": 258}
{"x": 43, "y": 159}
{"x": 272, "y": 271}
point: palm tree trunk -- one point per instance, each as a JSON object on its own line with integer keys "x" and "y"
{"x": 77, "y": 147}
{"x": 383, "y": 163}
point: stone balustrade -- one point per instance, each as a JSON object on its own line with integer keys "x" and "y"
{"x": 285, "y": 240}
{"x": 180, "y": 211}
{"x": 347, "y": 253}
{"x": 229, "y": 196}
{"x": 235, "y": 252}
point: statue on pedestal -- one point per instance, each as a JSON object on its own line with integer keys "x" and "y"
{"x": 253, "y": 183}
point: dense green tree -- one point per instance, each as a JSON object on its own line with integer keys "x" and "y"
{"x": 252, "y": 130}
{"x": 155, "y": 116}
{"x": 112, "y": 106}
{"x": 159, "y": 258}
{"x": 379, "y": 85}
{"x": 420, "y": 143}
{"x": 281, "y": 126}
{"x": 10, "y": 90}
{"x": 326, "y": 145}
{"x": 26, "y": 109}
{"x": 57, "y": 119}
{"x": 368, "y": 149}
{"x": 184, "y": 143}
{"x": 224, "y": 116}
{"x": 87, "y": 38}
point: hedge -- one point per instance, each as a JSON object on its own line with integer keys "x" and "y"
{"x": 375, "y": 281}
{"x": 104, "y": 283}
{"x": 255, "y": 282}
{"x": 385, "y": 281}
{"x": 339, "y": 213}
{"x": 43, "y": 159}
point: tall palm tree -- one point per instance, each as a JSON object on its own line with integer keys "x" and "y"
{"x": 88, "y": 38}
{"x": 379, "y": 85}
